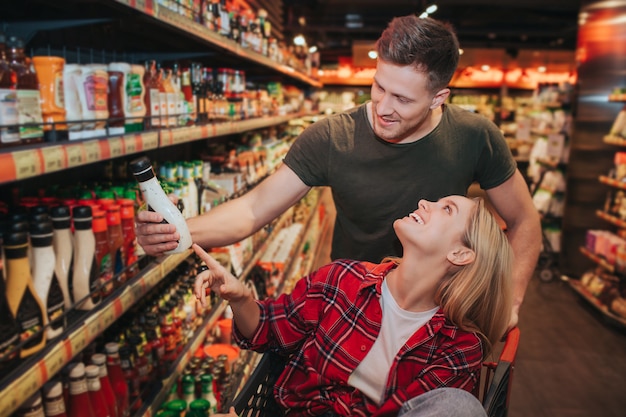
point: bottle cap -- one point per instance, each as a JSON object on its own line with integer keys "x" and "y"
{"x": 15, "y": 238}
{"x": 98, "y": 358}
{"x": 92, "y": 371}
{"x": 52, "y": 389}
{"x": 141, "y": 167}
{"x": 81, "y": 212}
{"x": 77, "y": 370}
{"x": 112, "y": 348}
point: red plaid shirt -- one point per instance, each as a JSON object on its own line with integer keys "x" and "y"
{"x": 330, "y": 322}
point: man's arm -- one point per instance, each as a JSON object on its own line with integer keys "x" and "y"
{"x": 229, "y": 222}
{"x": 514, "y": 204}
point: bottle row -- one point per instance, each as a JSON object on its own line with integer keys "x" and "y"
{"x": 52, "y": 100}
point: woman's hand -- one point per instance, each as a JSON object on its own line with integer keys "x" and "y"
{"x": 225, "y": 284}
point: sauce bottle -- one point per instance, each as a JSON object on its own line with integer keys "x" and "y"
{"x": 72, "y": 98}
{"x": 98, "y": 400}
{"x": 134, "y": 98}
{"x": 27, "y": 90}
{"x": 49, "y": 71}
{"x": 62, "y": 243}
{"x": 25, "y": 304}
{"x": 164, "y": 120}
{"x": 9, "y": 332}
{"x": 99, "y": 359}
{"x": 103, "y": 252}
{"x": 115, "y": 98}
{"x": 10, "y": 135}
{"x": 157, "y": 200}
{"x": 127, "y": 212}
{"x": 116, "y": 376}
{"x": 151, "y": 97}
{"x": 85, "y": 283}
{"x": 80, "y": 402}
{"x": 116, "y": 241}
{"x": 53, "y": 400}
{"x": 33, "y": 407}
{"x": 44, "y": 278}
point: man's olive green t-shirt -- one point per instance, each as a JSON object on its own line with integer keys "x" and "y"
{"x": 374, "y": 182}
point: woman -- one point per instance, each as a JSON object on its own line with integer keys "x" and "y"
{"x": 364, "y": 338}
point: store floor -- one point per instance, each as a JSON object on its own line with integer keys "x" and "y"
{"x": 571, "y": 362}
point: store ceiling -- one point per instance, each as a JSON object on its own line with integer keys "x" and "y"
{"x": 336, "y": 26}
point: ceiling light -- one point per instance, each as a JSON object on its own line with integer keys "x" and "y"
{"x": 424, "y": 15}
{"x": 299, "y": 40}
{"x": 431, "y": 9}
{"x": 541, "y": 69}
{"x": 485, "y": 68}
{"x": 461, "y": 51}
{"x": 372, "y": 54}
{"x": 313, "y": 49}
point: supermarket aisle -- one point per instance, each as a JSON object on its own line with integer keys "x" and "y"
{"x": 571, "y": 363}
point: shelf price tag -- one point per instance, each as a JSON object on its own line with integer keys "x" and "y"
{"x": 75, "y": 155}
{"x": 78, "y": 340}
{"x": 93, "y": 327}
{"x": 53, "y": 158}
{"x": 152, "y": 277}
{"x": 150, "y": 140}
{"x": 132, "y": 144}
{"x": 166, "y": 137}
{"x": 92, "y": 151}
{"x": 116, "y": 145}
{"x": 55, "y": 359}
{"x": 108, "y": 316}
{"x": 27, "y": 164}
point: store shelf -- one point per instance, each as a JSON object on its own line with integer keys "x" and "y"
{"x": 611, "y": 219}
{"x": 31, "y": 162}
{"x": 614, "y": 140}
{"x": 196, "y": 30}
{"x": 595, "y": 303}
{"x": 612, "y": 182}
{"x": 39, "y": 368}
{"x": 598, "y": 259}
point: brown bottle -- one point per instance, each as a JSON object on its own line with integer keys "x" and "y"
{"x": 9, "y": 135}
{"x": 151, "y": 98}
{"x": 116, "y": 241}
{"x": 28, "y": 97}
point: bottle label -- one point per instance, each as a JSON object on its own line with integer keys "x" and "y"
{"x": 78, "y": 386}
{"x": 8, "y": 350}
{"x": 155, "y": 107}
{"x": 29, "y": 114}
{"x": 59, "y": 97}
{"x": 30, "y": 317}
{"x": 54, "y": 406}
{"x": 96, "y": 88}
{"x": 55, "y": 304}
{"x": 134, "y": 89}
{"x": 8, "y": 116}
{"x": 94, "y": 282}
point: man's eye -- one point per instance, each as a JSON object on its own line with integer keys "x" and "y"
{"x": 448, "y": 209}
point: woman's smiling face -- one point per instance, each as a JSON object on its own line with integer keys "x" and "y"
{"x": 435, "y": 227}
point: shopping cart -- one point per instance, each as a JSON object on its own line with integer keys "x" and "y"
{"x": 256, "y": 398}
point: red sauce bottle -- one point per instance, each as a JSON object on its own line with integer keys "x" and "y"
{"x": 118, "y": 382}
{"x": 80, "y": 402}
{"x": 99, "y": 359}
{"x": 98, "y": 400}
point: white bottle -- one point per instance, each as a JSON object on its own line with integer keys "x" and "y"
{"x": 85, "y": 279}
{"x": 156, "y": 200}
{"x": 71, "y": 97}
{"x": 62, "y": 242}
{"x": 44, "y": 278}
{"x": 188, "y": 175}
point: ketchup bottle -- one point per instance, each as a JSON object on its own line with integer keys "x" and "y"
{"x": 99, "y": 359}
{"x": 80, "y": 402}
{"x": 98, "y": 401}
{"x": 116, "y": 375}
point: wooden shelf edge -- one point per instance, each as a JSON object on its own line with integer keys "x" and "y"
{"x": 595, "y": 303}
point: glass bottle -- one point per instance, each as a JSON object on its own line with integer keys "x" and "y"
{"x": 127, "y": 363}
{"x": 206, "y": 383}
{"x": 62, "y": 243}
{"x": 103, "y": 251}
{"x": 79, "y": 402}
{"x": 24, "y": 302}
{"x": 53, "y": 401}
{"x": 116, "y": 241}
{"x": 9, "y": 135}
{"x": 157, "y": 200}
{"x": 27, "y": 89}
{"x": 33, "y": 407}
{"x": 127, "y": 213}
{"x": 44, "y": 276}
{"x": 151, "y": 98}
{"x": 9, "y": 329}
{"x": 85, "y": 277}
{"x": 99, "y": 359}
{"x": 116, "y": 376}
{"x": 98, "y": 400}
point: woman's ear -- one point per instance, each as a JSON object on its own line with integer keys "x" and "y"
{"x": 461, "y": 256}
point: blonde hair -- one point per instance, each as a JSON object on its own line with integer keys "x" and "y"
{"x": 478, "y": 296}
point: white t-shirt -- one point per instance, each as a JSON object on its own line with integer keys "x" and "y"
{"x": 370, "y": 377}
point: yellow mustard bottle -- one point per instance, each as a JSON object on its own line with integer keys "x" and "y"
{"x": 24, "y": 302}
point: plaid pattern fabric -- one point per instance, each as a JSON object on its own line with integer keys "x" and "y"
{"x": 329, "y": 323}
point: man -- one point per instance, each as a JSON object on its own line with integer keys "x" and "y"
{"x": 382, "y": 157}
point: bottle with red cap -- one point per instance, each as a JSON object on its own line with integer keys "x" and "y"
{"x": 116, "y": 376}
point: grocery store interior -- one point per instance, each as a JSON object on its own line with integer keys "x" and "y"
{"x": 208, "y": 95}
